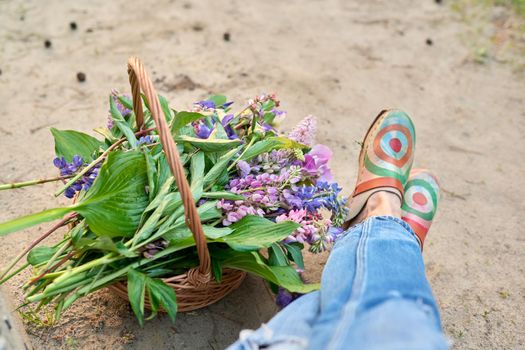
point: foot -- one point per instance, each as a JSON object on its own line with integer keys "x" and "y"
{"x": 385, "y": 159}
{"x": 420, "y": 202}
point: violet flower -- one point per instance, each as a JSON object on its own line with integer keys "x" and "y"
{"x": 316, "y": 163}
{"x": 227, "y": 127}
{"x": 202, "y": 130}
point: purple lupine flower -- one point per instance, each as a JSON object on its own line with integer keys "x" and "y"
{"x": 69, "y": 169}
{"x": 243, "y": 167}
{"x": 227, "y": 127}
{"x": 283, "y": 298}
{"x": 145, "y": 140}
{"x": 304, "y": 132}
{"x": 123, "y": 110}
{"x": 202, "y": 130}
{"x": 227, "y": 104}
{"x": 205, "y": 104}
{"x": 110, "y": 124}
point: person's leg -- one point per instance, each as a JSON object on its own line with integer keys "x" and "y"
{"x": 374, "y": 293}
{"x": 290, "y": 329}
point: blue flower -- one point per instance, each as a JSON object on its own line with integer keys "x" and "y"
{"x": 69, "y": 169}
{"x": 202, "y": 130}
{"x": 144, "y": 140}
{"x": 206, "y": 104}
{"x": 227, "y": 127}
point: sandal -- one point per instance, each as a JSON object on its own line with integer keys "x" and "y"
{"x": 385, "y": 160}
{"x": 420, "y": 202}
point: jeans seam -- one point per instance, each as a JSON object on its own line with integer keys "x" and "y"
{"x": 358, "y": 286}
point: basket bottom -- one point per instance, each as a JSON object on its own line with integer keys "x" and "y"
{"x": 190, "y": 297}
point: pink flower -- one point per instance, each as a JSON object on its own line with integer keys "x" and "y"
{"x": 316, "y": 162}
{"x": 304, "y": 132}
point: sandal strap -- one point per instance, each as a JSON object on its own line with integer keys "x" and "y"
{"x": 379, "y": 182}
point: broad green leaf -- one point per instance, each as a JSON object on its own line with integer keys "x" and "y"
{"x": 220, "y": 167}
{"x": 184, "y": 118}
{"x": 39, "y": 255}
{"x": 219, "y": 100}
{"x": 254, "y": 232}
{"x": 295, "y": 253}
{"x": 223, "y": 195}
{"x": 163, "y": 295}
{"x": 270, "y": 144}
{"x": 276, "y": 257}
{"x": 136, "y": 293}
{"x": 69, "y": 143}
{"x": 114, "y": 204}
{"x": 213, "y": 232}
{"x": 209, "y": 145}
{"x": 121, "y": 123}
{"x": 284, "y": 276}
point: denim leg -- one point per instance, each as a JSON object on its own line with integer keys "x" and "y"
{"x": 290, "y": 329}
{"x": 376, "y": 272}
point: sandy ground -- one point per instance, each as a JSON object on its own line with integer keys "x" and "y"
{"x": 338, "y": 59}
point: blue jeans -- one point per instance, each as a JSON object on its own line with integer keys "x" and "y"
{"x": 374, "y": 295}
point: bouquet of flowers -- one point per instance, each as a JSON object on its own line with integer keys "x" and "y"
{"x": 261, "y": 197}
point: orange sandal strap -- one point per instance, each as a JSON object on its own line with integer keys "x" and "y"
{"x": 379, "y": 182}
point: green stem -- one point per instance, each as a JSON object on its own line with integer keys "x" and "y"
{"x": 31, "y": 182}
{"x": 61, "y": 223}
{"x": 7, "y": 278}
{"x": 242, "y": 154}
{"x": 106, "y": 259}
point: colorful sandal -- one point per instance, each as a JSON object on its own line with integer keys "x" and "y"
{"x": 385, "y": 159}
{"x": 420, "y": 202}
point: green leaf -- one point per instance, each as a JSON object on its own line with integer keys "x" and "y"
{"x": 209, "y": 145}
{"x": 121, "y": 123}
{"x": 284, "y": 276}
{"x": 213, "y": 232}
{"x": 295, "y": 253}
{"x": 152, "y": 174}
{"x": 104, "y": 243}
{"x": 276, "y": 256}
{"x": 163, "y": 295}
{"x": 136, "y": 293}
{"x": 165, "y": 108}
{"x": 33, "y": 219}
{"x": 223, "y": 195}
{"x": 219, "y": 100}
{"x": 220, "y": 167}
{"x": 270, "y": 144}
{"x": 69, "y": 143}
{"x": 197, "y": 175}
{"x": 114, "y": 204}
{"x": 184, "y": 118}
{"x": 254, "y": 232}
{"x": 40, "y": 255}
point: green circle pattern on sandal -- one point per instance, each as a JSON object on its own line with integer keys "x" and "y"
{"x": 420, "y": 202}
{"x": 385, "y": 160}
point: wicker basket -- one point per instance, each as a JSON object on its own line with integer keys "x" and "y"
{"x": 195, "y": 289}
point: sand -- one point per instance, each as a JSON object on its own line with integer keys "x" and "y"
{"x": 342, "y": 61}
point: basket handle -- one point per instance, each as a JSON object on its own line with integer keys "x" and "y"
{"x": 139, "y": 80}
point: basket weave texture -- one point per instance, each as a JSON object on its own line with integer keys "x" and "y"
{"x": 196, "y": 288}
